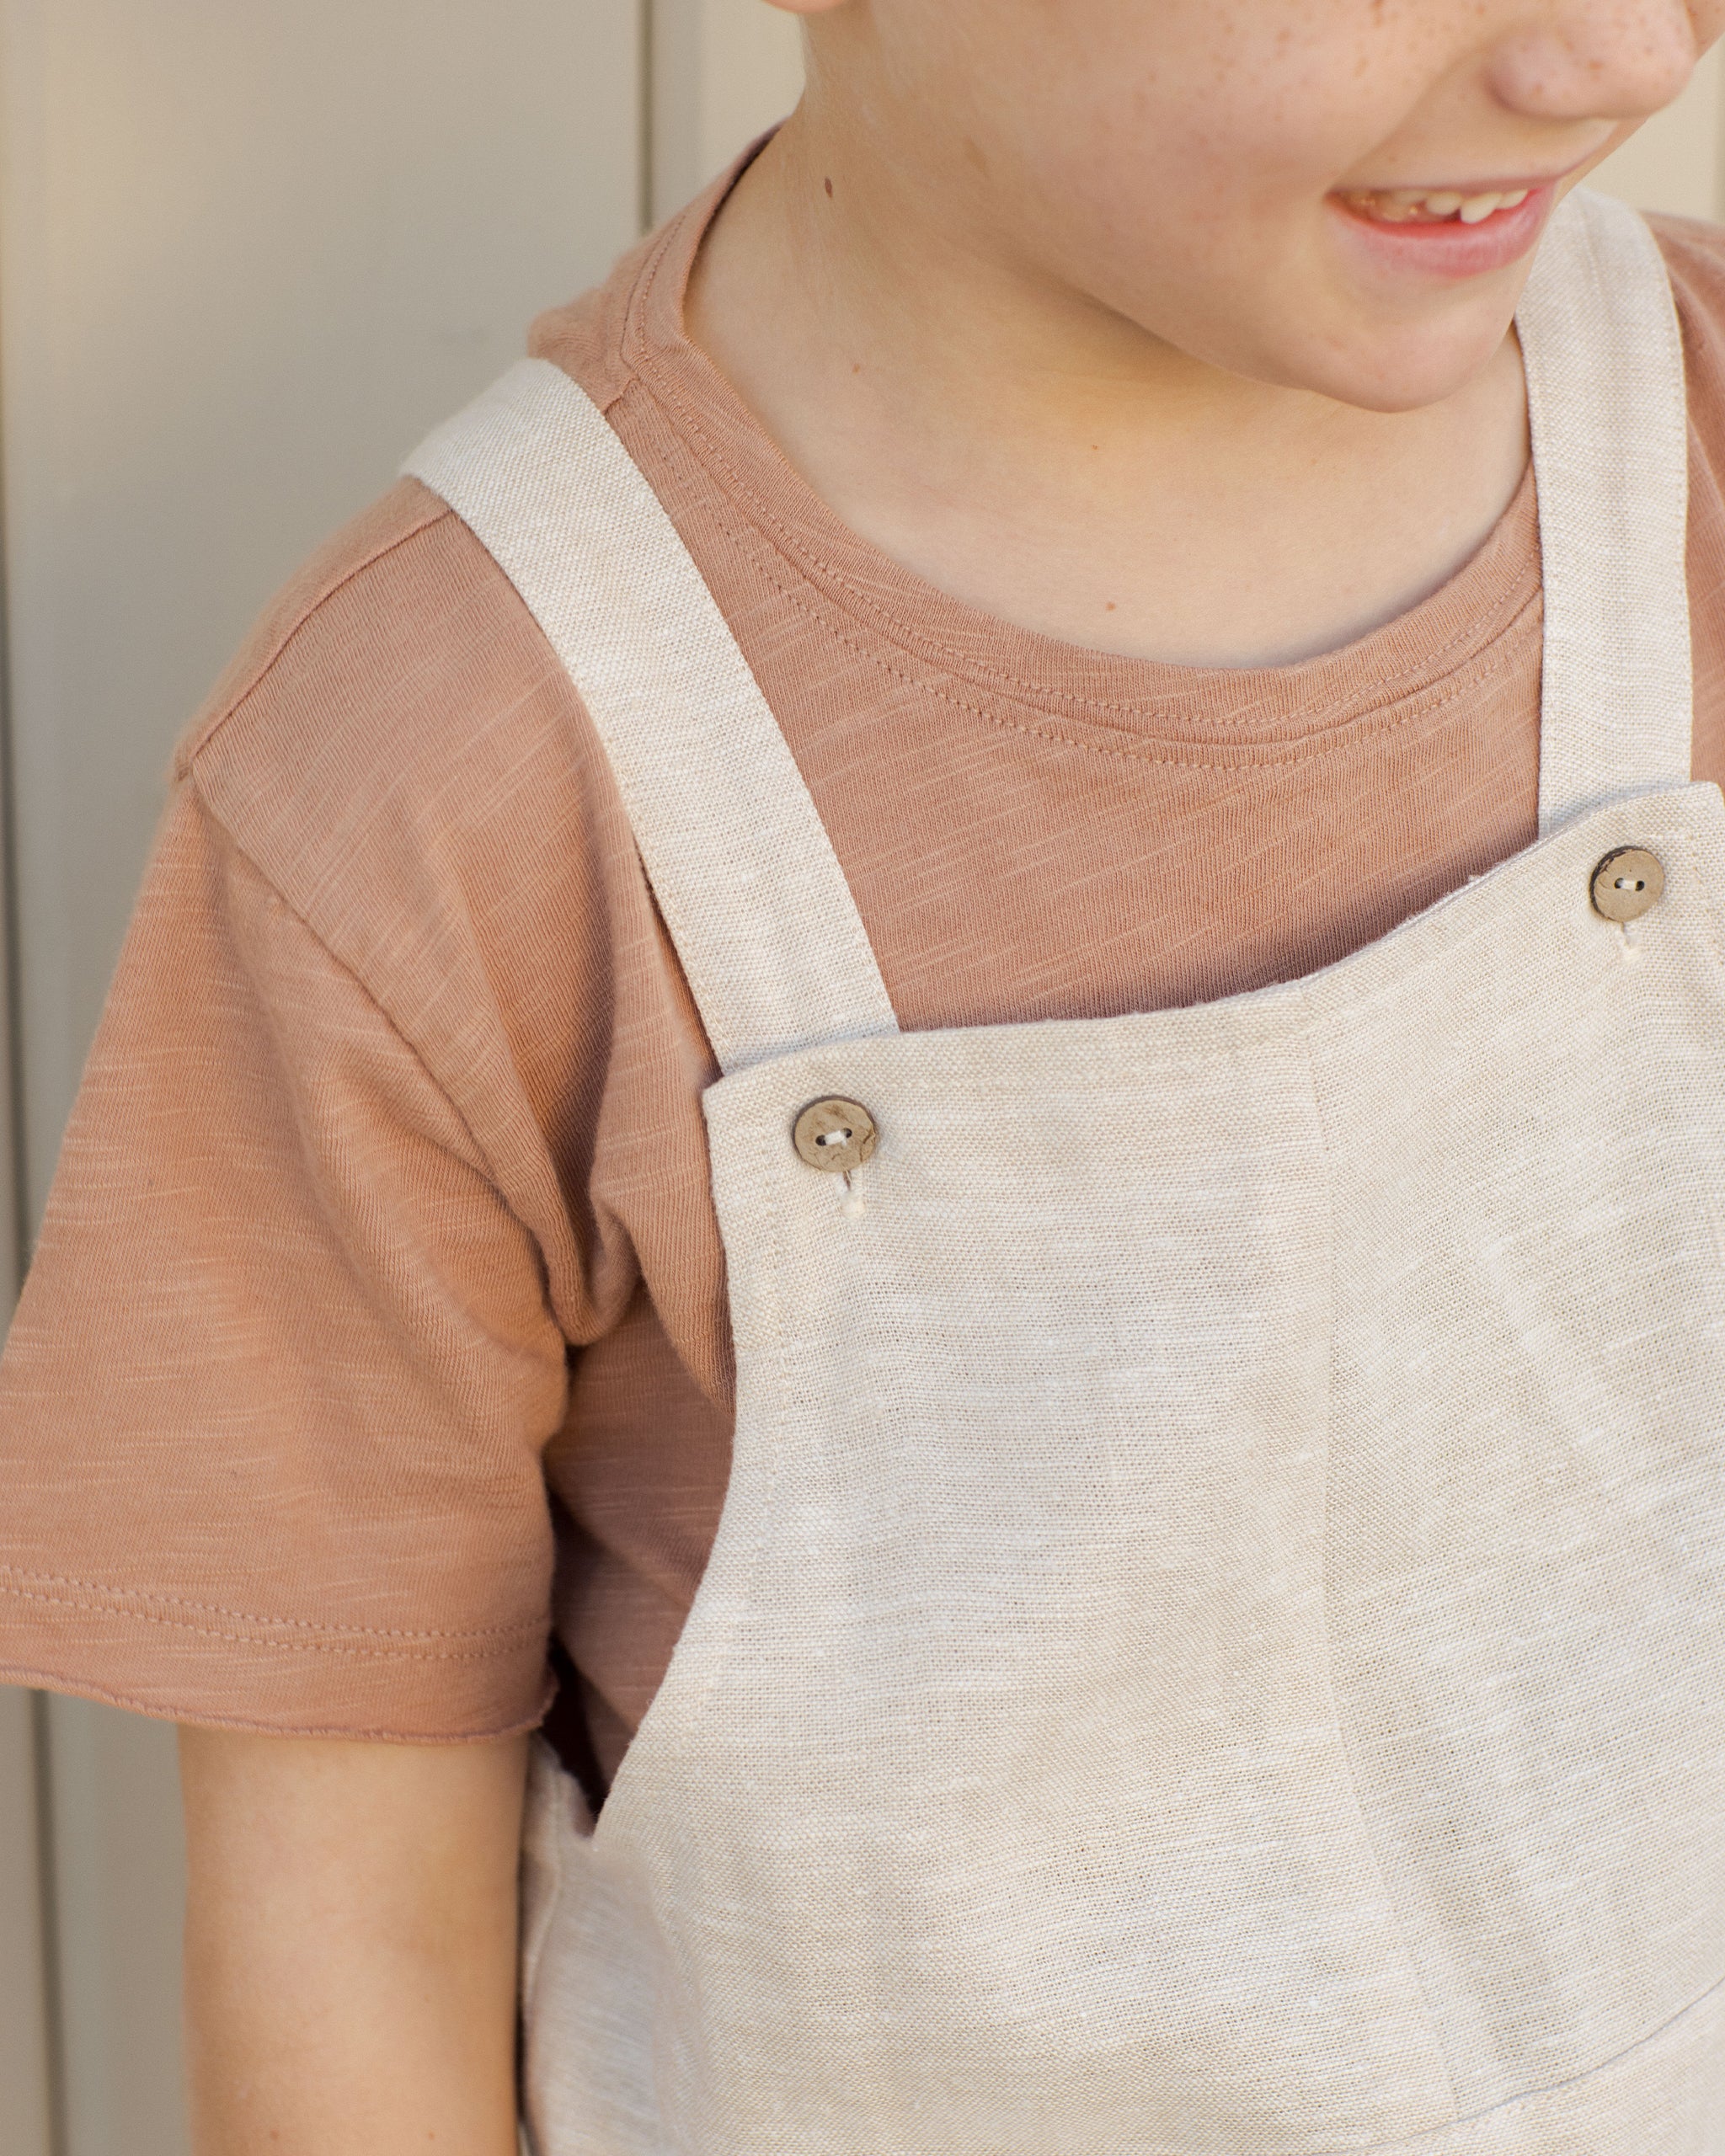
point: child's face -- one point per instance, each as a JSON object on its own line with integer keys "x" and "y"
{"x": 1234, "y": 176}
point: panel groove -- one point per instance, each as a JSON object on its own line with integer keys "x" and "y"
{"x": 35, "y": 2110}
{"x": 53, "y": 2024}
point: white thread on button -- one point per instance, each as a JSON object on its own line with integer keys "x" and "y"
{"x": 835, "y": 1135}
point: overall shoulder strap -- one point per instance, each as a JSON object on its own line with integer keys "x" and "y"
{"x": 741, "y": 866}
{"x": 1606, "y": 398}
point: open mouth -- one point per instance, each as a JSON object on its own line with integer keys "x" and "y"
{"x": 1408, "y": 205}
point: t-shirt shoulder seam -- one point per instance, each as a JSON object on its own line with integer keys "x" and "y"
{"x": 623, "y": 369}
{"x": 433, "y": 512}
{"x": 623, "y": 384}
{"x": 378, "y": 1002}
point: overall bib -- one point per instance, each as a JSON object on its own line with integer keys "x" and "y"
{"x": 1215, "y": 1645}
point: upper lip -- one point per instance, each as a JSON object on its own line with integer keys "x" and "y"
{"x": 1464, "y": 187}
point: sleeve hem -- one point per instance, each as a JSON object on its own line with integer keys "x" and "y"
{"x": 290, "y": 1636}
{"x": 98, "y": 1648}
{"x": 197, "y": 1717}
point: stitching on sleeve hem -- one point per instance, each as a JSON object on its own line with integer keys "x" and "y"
{"x": 348, "y": 1640}
{"x": 49, "y": 1680}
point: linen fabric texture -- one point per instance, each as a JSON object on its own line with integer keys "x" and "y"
{"x": 1214, "y": 1641}
{"x": 378, "y": 1322}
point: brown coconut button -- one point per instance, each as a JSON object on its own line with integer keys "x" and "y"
{"x": 835, "y": 1135}
{"x": 1627, "y": 884}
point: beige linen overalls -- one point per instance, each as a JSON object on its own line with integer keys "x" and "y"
{"x": 1216, "y": 1641}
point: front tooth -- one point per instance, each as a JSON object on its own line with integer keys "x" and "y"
{"x": 1478, "y": 207}
{"x": 1515, "y": 200}
{"x": 1442, "y": 205}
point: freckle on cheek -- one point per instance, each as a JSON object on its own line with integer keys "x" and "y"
{"x": 829, "y": 190}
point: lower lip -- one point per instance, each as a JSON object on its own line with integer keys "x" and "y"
{"x": 1450, "y": 250}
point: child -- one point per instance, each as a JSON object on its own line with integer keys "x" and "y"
{"x": 982, "y": 876}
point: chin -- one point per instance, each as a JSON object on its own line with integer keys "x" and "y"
{"x": 1408, "y": 374}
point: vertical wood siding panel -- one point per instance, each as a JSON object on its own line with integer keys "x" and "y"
{"x": 251, "y": 253}
{"x": 119, "y": 1888}
{"x": 23, "y": 2034}
{"x": 1674, "y": 163}
{"x": 723, "y": 70}
{"x": 247, "y": 254}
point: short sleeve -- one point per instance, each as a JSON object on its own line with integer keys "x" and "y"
{"x": 273, "y": 1407}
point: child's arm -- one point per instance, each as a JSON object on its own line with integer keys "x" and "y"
{"x": 350, "y": 1945}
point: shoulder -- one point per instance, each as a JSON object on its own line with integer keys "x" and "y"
{"x": 397, "y": 694}
{"x": 404, "y": 593}
{"x": 399, "y": 644}
{"x": 1695, "y": 256}
{"x": 399, "y": 753}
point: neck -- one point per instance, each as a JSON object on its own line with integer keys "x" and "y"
{"x": 1028, "y": 448}
{"x": 947, "y": 311}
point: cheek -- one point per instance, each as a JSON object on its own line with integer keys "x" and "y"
{"x": 1179, "y": 174}
{"x": 1226, "y": 176}
{"x": 1194, "y": 109}
{"x": 1210, "y": 128}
